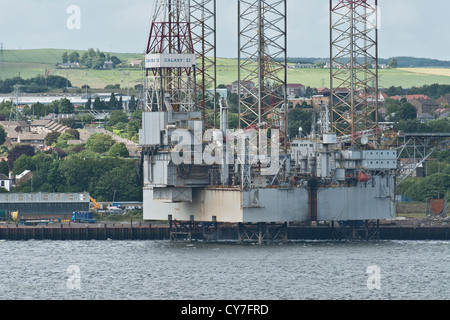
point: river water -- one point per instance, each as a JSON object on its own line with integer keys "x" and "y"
{"x": 154, "y": 270}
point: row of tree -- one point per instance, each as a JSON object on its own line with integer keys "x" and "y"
{"x": 39, "y": 83}
{"x": 100, "y": 167}
{"x": 434, "y": 91}
{"x": 91, "y": 59}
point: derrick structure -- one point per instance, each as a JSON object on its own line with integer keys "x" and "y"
{"x": 353, "y": 66}
{"x": 170, "y": 59}
{"x": 203, "y": 28}
{"x": 262, "y": 57}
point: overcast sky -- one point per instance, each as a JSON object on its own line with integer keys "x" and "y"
{"x": 408, "y": 27}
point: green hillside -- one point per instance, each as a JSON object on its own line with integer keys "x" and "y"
{"x": 51, "y": 56}
{"x": 30, "y": 63}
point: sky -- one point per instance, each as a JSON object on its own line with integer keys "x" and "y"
{"x": 408, "y": 27}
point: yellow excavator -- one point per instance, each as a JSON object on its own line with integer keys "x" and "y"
{"x": 96, "y": 206}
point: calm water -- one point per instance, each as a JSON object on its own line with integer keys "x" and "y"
{"x": 129, "y": 270}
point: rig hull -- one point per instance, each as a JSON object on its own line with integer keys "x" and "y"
{"x": 366, "y": 201}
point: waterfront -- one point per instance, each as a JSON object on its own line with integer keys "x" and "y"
{"x": 153, "y": 270}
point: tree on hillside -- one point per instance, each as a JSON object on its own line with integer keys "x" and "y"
{"x": 88, "y": 104}
{"x": 119, "y": 184}
{"x": 298, "y": 117}
{"x": 132, "y": 105}
{"x": 65, "y": 106}
{"x": 393, "y": 63}
{"x": 24, "y": 162}
{"x": 2, "y": 135}
{"x": 112, "y": 102}
{"x": 115, "y": 60}
{"x": 51, "y": 137}
{"x": 17, "y": 151}
{"x": 394, "y": 91}
{"x": 98, "y": 104}
{"x": 116, "y": 117}
{"x": 119, "y": 150}
{"x": 65, "y": 57}
{"x": 74, "y": 57}
{"x": 4, "y": 168}
{"x": 407, "y": 111}
{"x": 100, "y": 142}
{"x": 75, "y": 133}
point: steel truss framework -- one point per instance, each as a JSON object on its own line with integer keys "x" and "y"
{"x": 262, "y": 58}
{"x": 203, "y": 27}
{"x": 353, "y": 66}
{"x": 261, "y": 233}
{"x": 170, "y": 33}
{"x": 416, "y": 148}
{"x": 192, "y": 230}
{"x": 368, "y": 230}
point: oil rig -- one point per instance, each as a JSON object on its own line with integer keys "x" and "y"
{"x": 198, "y": 170}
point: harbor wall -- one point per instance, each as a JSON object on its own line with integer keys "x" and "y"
{"x": 223, "y": 233}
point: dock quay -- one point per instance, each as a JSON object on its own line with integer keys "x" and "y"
{"x": 147, "y": 231}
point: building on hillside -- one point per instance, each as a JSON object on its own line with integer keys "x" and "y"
{"x": 424, "y": 106}
{"x": 36, "y": 140}
{"x": 445, "y": 115}
{"x": 313, "y": 103}
{"x": 135, "y": 63}
{"x": 295, "y": 90}
{"x": 304, "y": 66}
{"x": 443, "y": 100}
{"x": 47, "y": 126}
{"x": 32, "y": 134}
{"x": 410, "y": 97}
{"x": 425, "y": 117}
{"x": 23, "y": 177}
{"x": 5, "y": 182}
{"x": 323, "y": 91}
{"x": 18, "y": 126}
{"x": 108, "y": 65}
{"x": 69, "y": 65}
{"x": 245, "y": 86}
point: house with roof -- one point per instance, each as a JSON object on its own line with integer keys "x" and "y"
{"x": 5, "y": 182}
{"x": 18, "y": 126}
{"x": 424, "y": 106}
{"x": 443, "y": 100}
{"x": 13, "y": 130}
{"x": 410, "y": 97}
{"x": 34, "y": 139}
{"x": 69, "y": 65}
{"x": 245, "y": 86}
{"x": 323, "y": 91}
{"x": 295, "y": 90}
{"x": 135, "y": 63}
{"x": 33, "y": 134}
{"x": 47, "y": 126}
{"x": 108, "y": 65}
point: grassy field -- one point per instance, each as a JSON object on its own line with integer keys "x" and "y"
{"x": 30, "y": 63}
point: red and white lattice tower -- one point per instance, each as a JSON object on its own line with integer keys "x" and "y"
{"x": 170, "y": 60}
